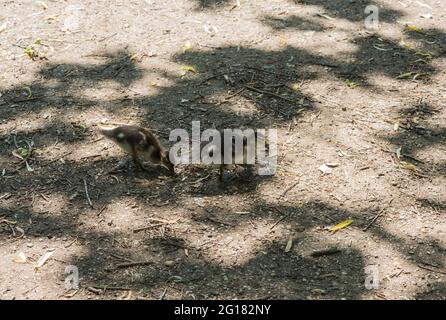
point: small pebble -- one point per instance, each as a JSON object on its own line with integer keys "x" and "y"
{"x": 169, "y": 263}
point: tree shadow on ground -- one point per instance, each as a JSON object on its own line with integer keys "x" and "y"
{"x": 266, "y": 272}
{"x": 416, "y": 135}
{"x": 292, "y": 22}
{"x": 352, "y": 11}
{"x": 435, "y": 291}
{"x": 211, "y": 4}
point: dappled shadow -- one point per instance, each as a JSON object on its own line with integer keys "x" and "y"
{"x": 293, "y": 22}
{"x": 118, "y": 66}
{"x": 434, "y": 291}
{"x": 271, "y": 275}
{"x": 211, "y": 4}
{"x": 415, "y": 135}
{"x": 438, "y": 206}
{"x": 266, "y": 273}
{"x": 228, "y": 79}
{"x": 432, "y": 42}
{"x": 352, "y": 10}
{"x": 63, "y": 85}
{"x": 378, "y": 55}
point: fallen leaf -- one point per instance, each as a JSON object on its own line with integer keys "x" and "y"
{"x": 8, "y": 221}
{"x": 176, "y": 279}
{"x": 21, "y": 258}
{"x": 43, "y": 4}
{"x": 425, "y": 54}
{"x": 343, "y": 154}
{"x": 28, "y": 167}
{"x": 23, "y": 152}
{"x": 398, "y": 152}
{"x": 408, "y": 166}
{"x": 289, "y": 244}
{"x": 20, "y": 230}
{"x": 318, "y": 291}
{"x": 324, "y": 16}
{"x": 51, "y": 18}
{"x": 296, "y": 86}
{"x": 70, "y": 295}
{"x": 169, "y": 263}
{"x": 74, "y": 195}
{"x": 413, "y": 28}
{"x": 332, "y": 164}
{"x": 15, "y": 154}
{"x": 3, "y": 26}
{"x": 406, "y": 75}
{"x": 189, "y": 68}
{"x": 210, "y": 29}
{"x": 419, "y": 75}
{"x": 43, "y": 259}
{"x": 420, "y": 61}
{"x": 406, "y": 44}
{"x": 187, "y": 47}
{"x": 325, "y": 169}
{"x": 341, "y": 225}
{"x": 31, "y": 53}
{"x": 351, "y": 84}
{"x": 283, "y": 40}
{"x": 380, "y": 49}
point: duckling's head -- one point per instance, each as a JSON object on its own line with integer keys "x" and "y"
{"x": 110, "y": 131}
{"x": 123, "y": 136}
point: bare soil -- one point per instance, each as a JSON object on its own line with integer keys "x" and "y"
{"x": 370, "y": 102}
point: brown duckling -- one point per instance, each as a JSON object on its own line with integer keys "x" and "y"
{"x": 140, "y": 143}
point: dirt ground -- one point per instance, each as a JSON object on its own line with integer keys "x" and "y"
{"x": 371, "y": 103}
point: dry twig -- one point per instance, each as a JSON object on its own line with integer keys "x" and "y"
{"x": 87, "y": 194}
{"x": 272, "y": 94}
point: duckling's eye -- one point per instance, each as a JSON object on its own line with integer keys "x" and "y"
{"x": 120, "y": 136}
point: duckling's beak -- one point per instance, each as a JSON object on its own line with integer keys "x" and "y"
{"x": 167, "y": 163}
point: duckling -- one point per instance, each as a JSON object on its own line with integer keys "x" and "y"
{"x": 140, "y": 143}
